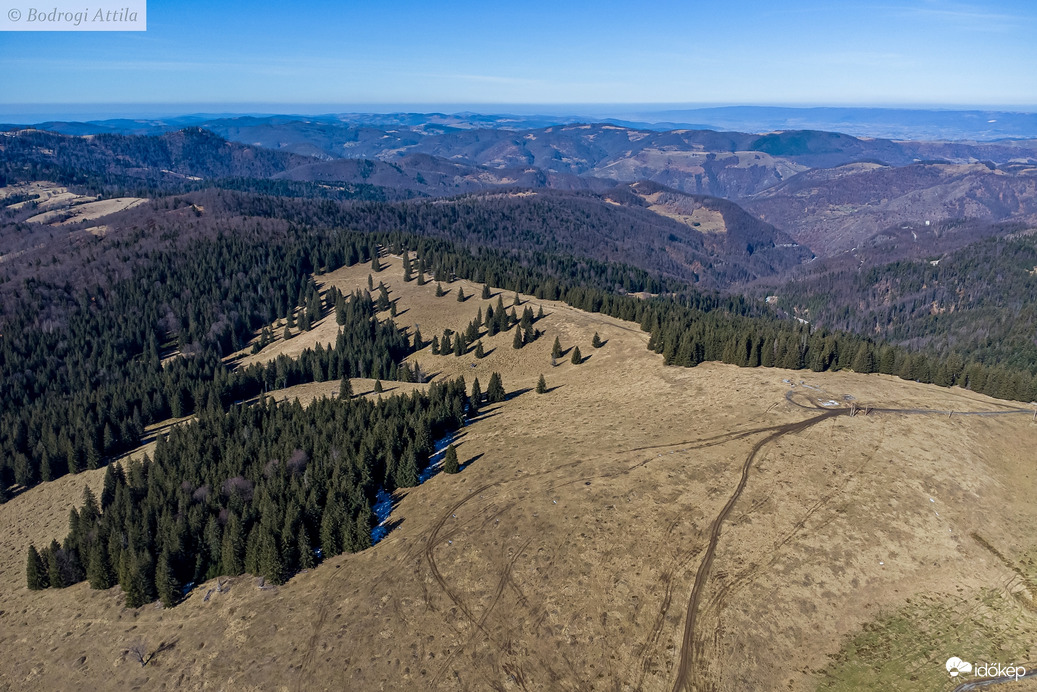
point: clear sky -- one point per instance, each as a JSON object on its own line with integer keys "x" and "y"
{"x": 796, "y": 52}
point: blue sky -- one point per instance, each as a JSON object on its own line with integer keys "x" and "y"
{"x": 232, "y": 56}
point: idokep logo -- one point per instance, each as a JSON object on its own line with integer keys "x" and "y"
{"x": 955, "y": 666}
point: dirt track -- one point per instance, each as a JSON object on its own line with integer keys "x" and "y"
{"x": 691, "y": 650}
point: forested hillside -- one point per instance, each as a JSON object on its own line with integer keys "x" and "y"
{"x": 977, "y": 302}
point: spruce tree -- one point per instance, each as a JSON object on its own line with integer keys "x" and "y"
{"x": 345, "y": 389}
{"x": 475, "y": 400}
{"x": 232, "y": 549}
{"x": 541, "y": 385}
{"x": 517, "y": 300}
{"x": 540, "y": 312}
{"x": 435, "y": 345}
{"x": 378, "y": 389}
{"x": 517, "y": 342}
{"x": 439, "y": 290}
{"x": 421, "y": 272}
{"x": 134, "y": 580}
{"x": 55, "y": 575}
{"x": 331, "y": 530}
{"x": 485, "y": 292}
{"x": 556, "y": 350}
{"x": 165, "y": 582}
{"x": 376, "y": 266}
{"x": 495, "y": 390}
{"x": 271, "y": 561}
{"x": 864, "y": 362}
{"x": 460, "y": 294}
{"x": 35, "y": 571}
{"x": 596, "y": 341}
{"x": 479, "y": 352}
{"x": 305, "y": 548}
{"x": 362, "y": 530}
{"x": 458, "y": 345}
{"x": 251, "y": 559}
{"x": 99, "y": 570}
{"x": 406, "y": 267}
{"x": 287, "y": 334}
{"x": 576, "y": 357}
{"x": 450, "y": 463}
{"x": 419, "y": 343}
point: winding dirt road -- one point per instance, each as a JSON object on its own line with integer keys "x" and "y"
{"x": 690, "y": 650}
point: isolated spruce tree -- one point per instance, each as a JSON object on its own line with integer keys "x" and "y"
{"x": 485, "y": 292}
{"x": 576, "y": 357}
{"x": 378, "y": 389}
{"x": 421, "y": 272}
{"x": 345, "y": 389}
{"x": 460, "y": 294}
{"x": 435, "y": 346}
{"x": 517, "y": 342}
{"x": 517, "y": 301}
{"x": 556, "y": 350}
{"x": 596, "y": 341}
{"x": 439, "y": 290}
{"x": 450, "y": 463}
{"x": 287, "y": 334}
{"x": 495, "y": 391}
{"x": 376, "y": 266}
{"x": 540, "y": 312}
{"x": 541, "y": 385}
{"x": 35, "y": 571}
{"x": 458, "y": 345}
{"x": 479, "y": 352}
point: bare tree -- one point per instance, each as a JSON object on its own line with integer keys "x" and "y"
{"x": 138, "y": 651}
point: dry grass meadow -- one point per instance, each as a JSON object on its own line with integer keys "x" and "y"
{"x": 863, "y": 552}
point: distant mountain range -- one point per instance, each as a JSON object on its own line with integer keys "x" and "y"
{"x": 888, "y": 123}
{"x": 828, "y": 191}
{"x": 843, "y": 229}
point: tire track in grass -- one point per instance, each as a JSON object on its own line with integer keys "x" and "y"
{"x": 689, "y": 651}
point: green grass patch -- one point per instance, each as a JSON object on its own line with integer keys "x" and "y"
{"x": 906, "y": 649}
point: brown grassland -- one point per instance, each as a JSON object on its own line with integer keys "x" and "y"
{"x": 863, "y": 552}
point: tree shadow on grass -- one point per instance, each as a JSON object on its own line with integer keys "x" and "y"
{"x": 471, "y": 460}
{"x": 517, "y": 393}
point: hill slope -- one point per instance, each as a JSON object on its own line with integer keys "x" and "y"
{"x": 565, "y": 554}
